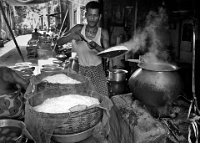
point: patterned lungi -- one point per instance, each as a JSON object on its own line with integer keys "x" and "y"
{"x": 97, "y": 77}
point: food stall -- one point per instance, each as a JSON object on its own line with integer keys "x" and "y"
{"x": 142, "y": 106}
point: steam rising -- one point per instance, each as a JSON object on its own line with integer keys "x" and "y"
{"x": 153, "y": 41}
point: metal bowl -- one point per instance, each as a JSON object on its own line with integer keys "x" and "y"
{"x": 8, "y": 127}
{"x": 73, "y": 137}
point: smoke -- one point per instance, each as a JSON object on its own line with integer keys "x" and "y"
{"x": 152, "y": 41}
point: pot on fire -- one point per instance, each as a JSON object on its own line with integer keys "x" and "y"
{"x": 156, "y": 84}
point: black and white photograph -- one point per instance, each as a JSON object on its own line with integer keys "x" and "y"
{"x": 99, "y": 71}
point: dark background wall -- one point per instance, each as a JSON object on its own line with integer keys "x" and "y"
{"x": 178, "y": 12}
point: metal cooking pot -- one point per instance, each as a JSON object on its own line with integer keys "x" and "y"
{"x": 156, "y": 84}
{"x": 116, "y": 88}
{"x": 117, "y": 75}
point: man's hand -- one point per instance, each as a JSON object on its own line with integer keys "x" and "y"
{"x": 92, "y": 45}
{"x": 10, "y": 81}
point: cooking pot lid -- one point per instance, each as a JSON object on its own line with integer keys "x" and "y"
{"x": 159, "y": 67}
{"x": 113, "y": 52}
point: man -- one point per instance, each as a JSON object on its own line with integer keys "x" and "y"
{"x": 36, "y": 35}
{"x": 95, "y": 40}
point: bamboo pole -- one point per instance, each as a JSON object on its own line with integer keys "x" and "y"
{"x": 193, "y": 68}
{"x": 60, "y": 32}
{"x": 10, "y": 30}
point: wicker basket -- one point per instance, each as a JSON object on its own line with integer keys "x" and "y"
{"x": 66, "y": 123}
{"x": 80, "y": 121}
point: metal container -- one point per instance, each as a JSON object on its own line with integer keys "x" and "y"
{"x": 74, "y": 64}
{"x": 116, "y": 88}
{"x": 117, "y": 75}
{"x": 70, "y": 138}
{"x": 156, "y": 84}
{"x": 9, "y": 128}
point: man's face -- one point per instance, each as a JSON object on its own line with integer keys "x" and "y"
{"x": 92, "y": 16}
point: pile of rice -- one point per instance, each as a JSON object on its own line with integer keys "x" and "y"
{"x": 64, "y": 103}
{"x": 61, "y": 79}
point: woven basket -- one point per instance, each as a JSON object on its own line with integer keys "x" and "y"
{"x": 67, "y": 123}
{"x": 80, "y": 121}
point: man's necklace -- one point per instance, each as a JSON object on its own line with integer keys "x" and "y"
{"x": 91, "y": 33}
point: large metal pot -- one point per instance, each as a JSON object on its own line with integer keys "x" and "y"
{"x": 156, "y": 84}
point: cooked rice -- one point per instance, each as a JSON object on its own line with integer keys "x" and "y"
{"x": 63, "y": 104}
{"x": 61, "y": 78}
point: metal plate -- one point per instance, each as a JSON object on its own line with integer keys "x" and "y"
{"x": 113, "y": 52}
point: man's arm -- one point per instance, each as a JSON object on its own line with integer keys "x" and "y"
{"x": 73, "y": 33}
